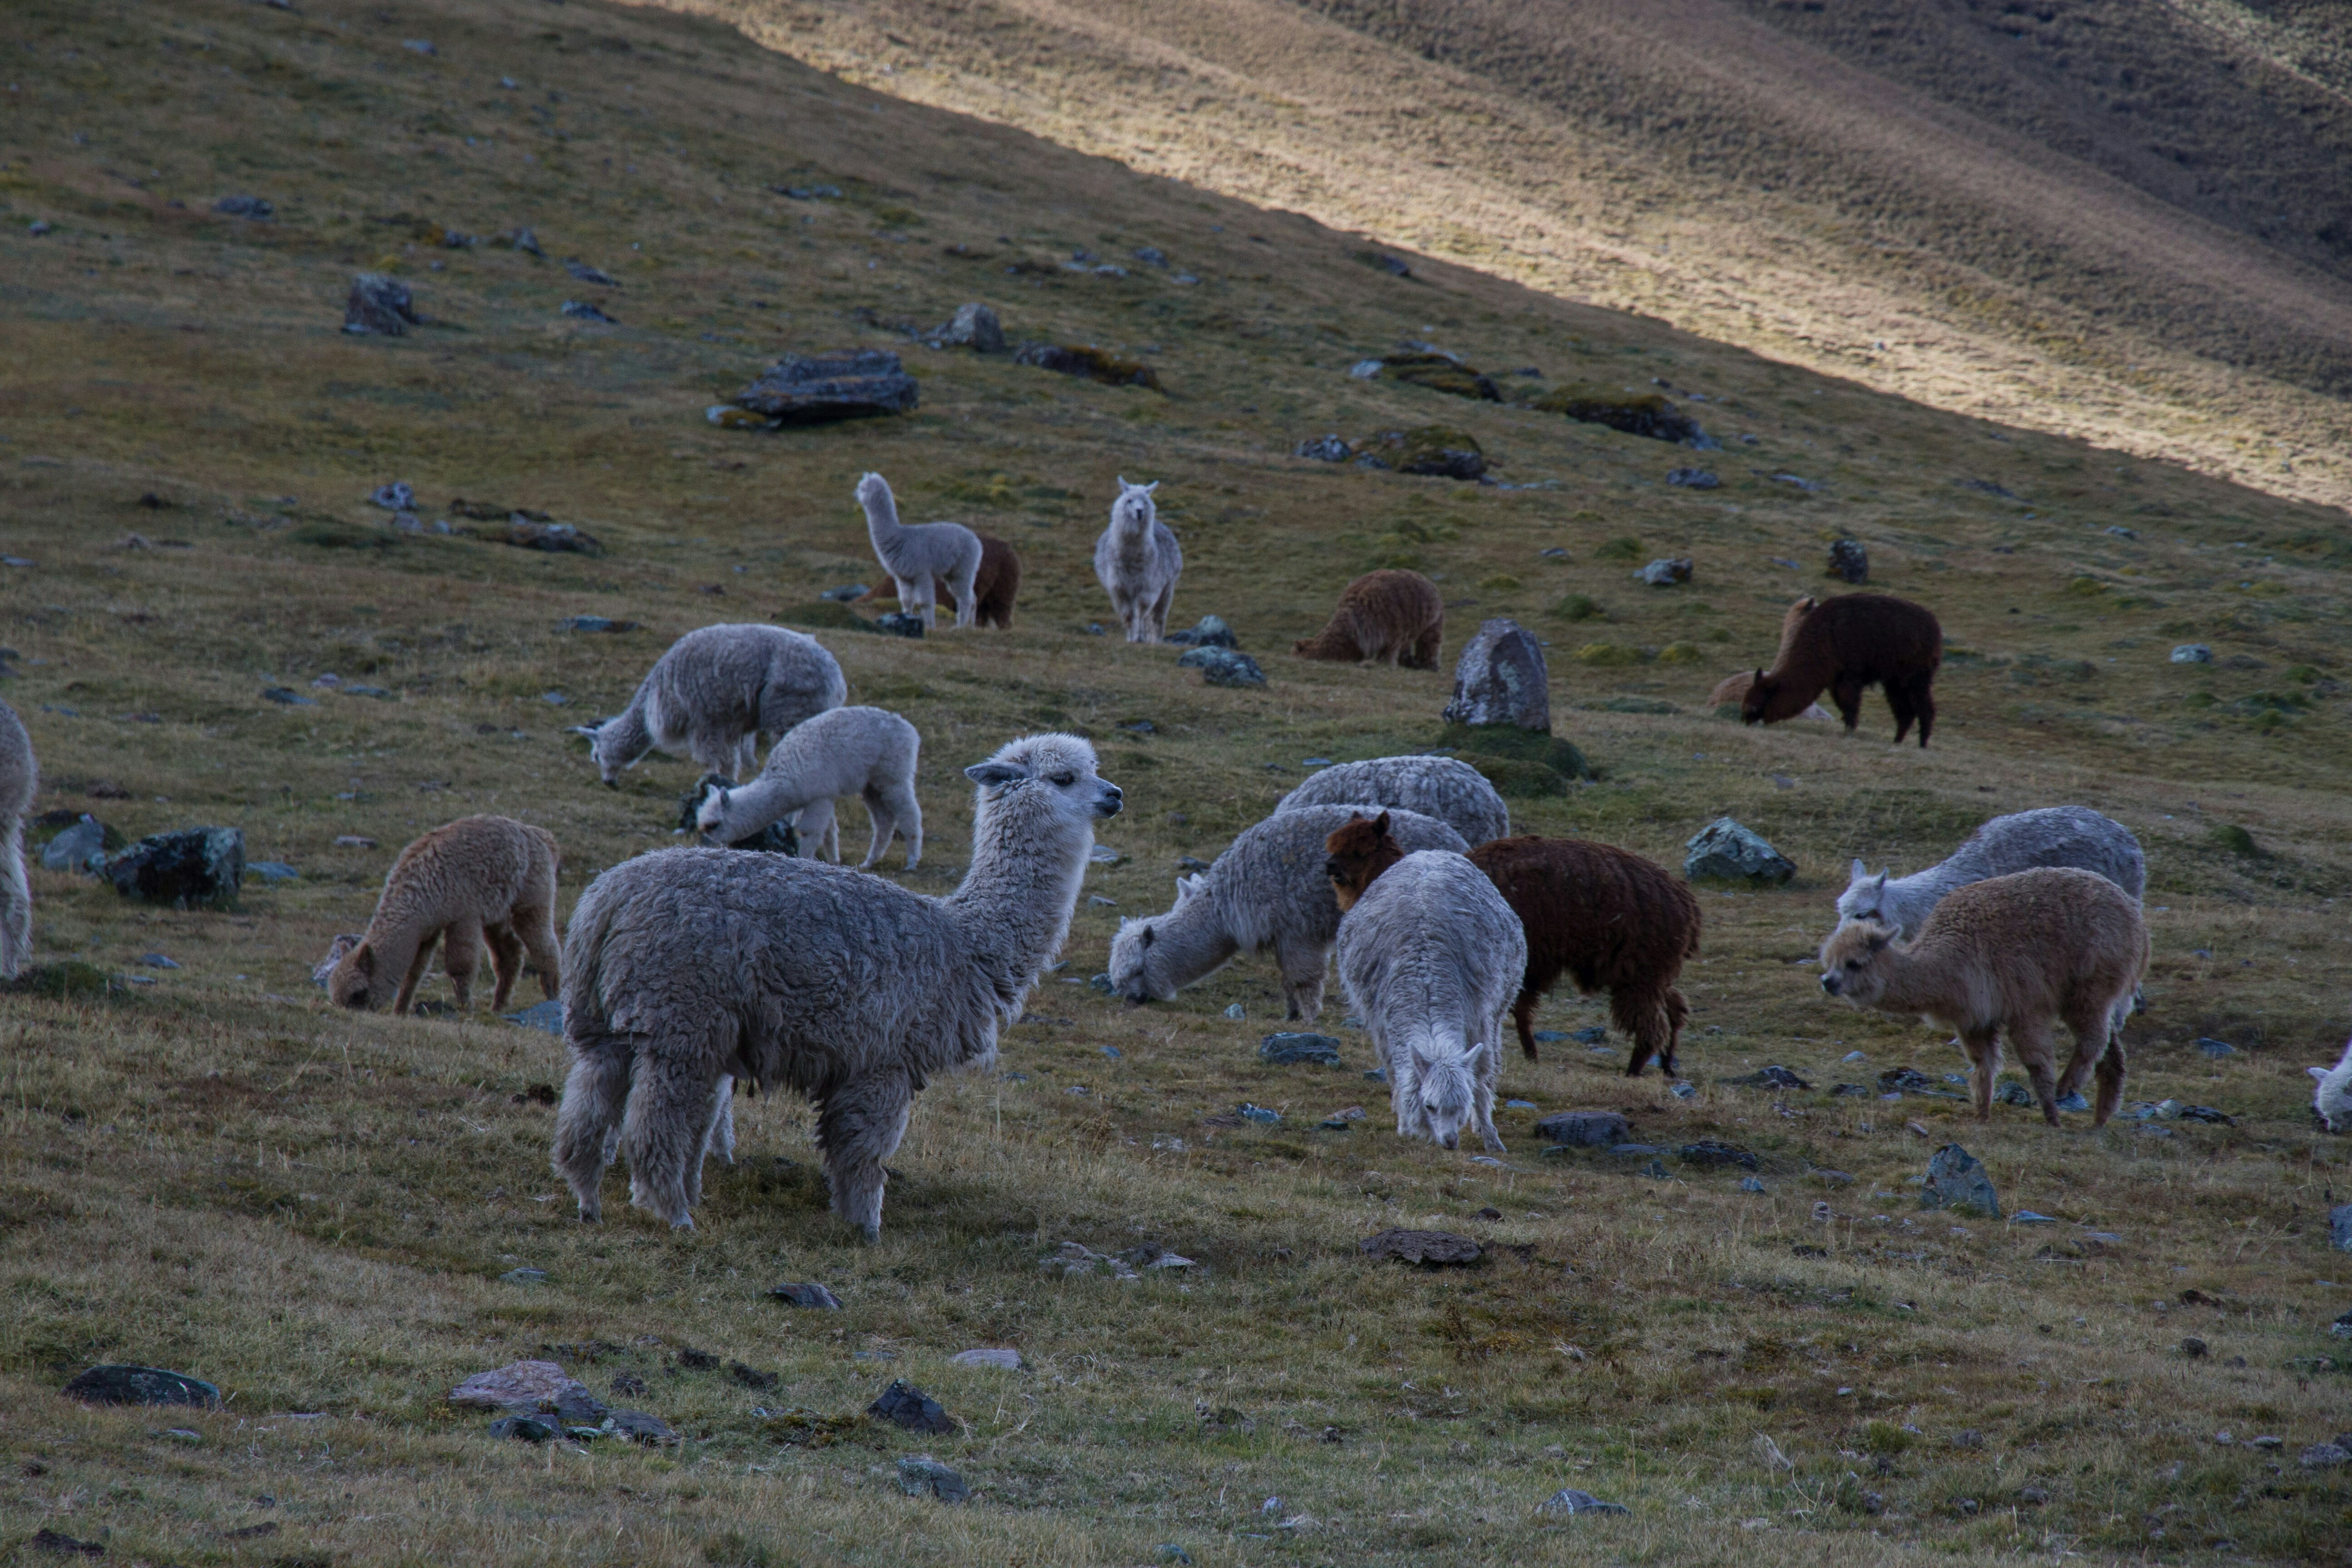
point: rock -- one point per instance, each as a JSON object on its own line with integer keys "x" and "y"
{"x": 519, "y": 1385}
{"x": 2192, "y": 1347}
{"x": 1770, "y": 1078}
{"x": 923, "y": 1476}
{"x": 2339, "y": 1228}
{"x": 1223, "y": 666}
{"x": 1291, "y": 1049}
{"x": 640, "y": 1427}
{"x": 904, "y": 1405}
{"x": 1569, "y": 1501}
{"x": 1725, "y": 851}
{"x": 2207, "y": 1115}
{"x": 397, "y": 496}
{"x": 899, "y": 623}
{"x": 1090, "y": 362}
{"x": 1849, "y": 562}
{"x": 199, "y": 867}
{"x": 587, "y": 274}
{"x": 1002, "y": 1360}
{"x": 1259, "y": 1114}
{"x": 2073, "y": 1102}
{"x": 1209, "y": 631}
{"x": 1750, "y": 1185}
{"x": 287, "y": 697}
{"x": 812, "y": 1295}
{"x": 1693, "y": 478}
{"x": 554, "y": 538}
{"x": 841, "y": 383}
{"x": 380, "y": 305}
{"x": 1325, "y": 449}
{"x": 525, "y": 1277}
{"x": 587, "y": 310}
{"x": 974, "y": 327}
{"x": 1957, "y": 1180}
{"x": 1665, "y": 573}
{"x": 2210, "y": 1047}
{"x": 1585, "y": 1129}
{"x": 114, "y": 1385}
{"x": 2014, "y": 1094}
{"x": 1395, "y": 266}
{"x": 1709, "y": 1154}
{"x": 1168, "y": 1552}
{"x": 750, "y": 1376}
{"x": 526, "y": 1428}
{"x": 577, "y": 1406}
{"x": 1899, "y": 1080}
{"x": 2325, "y": 1457}
{"x": 1633, "y": 413}
{"x": 45, "y": 1539}
{"x": 1152, "y": 256}
{"x": 808, "y": 193}
{"x": 2192, "y": 653}
{"x": 593, "y": 624}
{"x": 79, "y": 848}
{"x": 1435, "y": 451}
{"x": 1501, "y": 679}
{"x": 1432, "y": 1248}
{"x": 1437, "y": 372}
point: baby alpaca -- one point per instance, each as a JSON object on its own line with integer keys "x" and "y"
{"x": 917, "y": 554}
{"x": 715, "y": 693}
{"x": 1388, "y": 617}
{"x": 1137, "y": 560}
{"x": 2332, "y": 1098}
{"x": 20, "y": 780}
{"x": 2010, "y": 956}
{"x": 865, "y": 752}
{"x": 479, "y": 880}
{"x": 1446, "y": 788}
{"x": 1429, "y": 957}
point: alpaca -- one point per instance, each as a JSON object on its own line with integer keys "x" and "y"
{"x": 864, "y": 752}
{"x": 917, "y": 555}
{"x": 2331, "y": 1101}
{"x": 2052, "y": 835}
{"x": 20, "y": 781}
{"x": 1446, "y": 788}
{"x": 479, "y": 880}
{"x": 1137, "y": 560}
{"x": 1267, "y": 891}
{"x": 714, "y": 694}
{"x": 1388, "y": 617}
{"x": 1426, "y": 957}
{"x": 2009, "y": 955}
{"x": 1847, "y": 644}
{"x": 995, "y": 585}
{"x": 687, "y": 968}
{"x": 1603, "y": 916}
{"x": 1732, "y": 690}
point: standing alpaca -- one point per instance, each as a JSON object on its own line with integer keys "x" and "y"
{"x": 917, "y": 554}
{"x": 2010, "y": 955}
{"x": 691, "y": 967}
{"x": 865, "y": 752}
{"x": 1428, "y": 957}
{"x": 1388, "y": 617}
{"x": 2331, "y": 1100}
{"x": 2052, "y": 835}
{"x": 1732, "y": 690}
{"x": 996, "y": 585}
{"x": 1137, "y": 560}
{"x": 20, "y": 780}
{"x": 715, "y": 693}
{"x": 1446, "y": 788}
{"x": 1845, "y": 645}
{"x": 479, "y": 880}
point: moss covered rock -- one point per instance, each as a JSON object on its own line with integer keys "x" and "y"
{"x": 1480, "y": 742}
{"x": 1438, "y": 373}
{"x": 1090, "y": 362}
{"x": 1636, "y": 414}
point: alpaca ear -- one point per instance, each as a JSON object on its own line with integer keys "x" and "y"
{"x": 360, "y": 960}
{"x": 993, "y": 773}
{"x": 1145, "y": 940}
{"x": 2319, "y": 1073}
{"x": 1123, "y": 485}
{"x": 1151, "y": 488}
{"x": 1878, "y": 940}
{"x": 1381, "y": 824}
{"x": 1861, "y": 873}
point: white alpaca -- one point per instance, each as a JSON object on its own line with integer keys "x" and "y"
{"x": 689, "y": 967}
{"x": 20, "y": 780}
{"x": 916, "y": 554}
{"x": 864, "y": 752}
{"x": 1137, "y": 560}
{"x": 1431, "y": 958}
{"x": 2333, "y": 1097}
{"x": 715, "y": 693}
{"x": 1453, "y": 792}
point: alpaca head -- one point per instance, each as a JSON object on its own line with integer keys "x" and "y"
{"x": 1049, "y": 782}
{"x": 1445, "y": 1089}
{"x": 1134, "y": 506}
{"x": 324, "y": 973}
{"x": 1761, "y": 690}
{"x": 1862, "y": 899}
{"x": 2331, "y": 1099}
{"x": 609, "y": 751}
{"x": 352, "y": 984}
{"x": 711, "y": 813}
{"x": 1855, "y": 961}
{"x": 874, "y": 494}
{"x": 1359, "y": 849}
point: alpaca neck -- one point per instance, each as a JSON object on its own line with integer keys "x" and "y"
{"x": 1905, "y": 902}
{"x": 882, "y": 524}
{"x": 1917, "y": 981}
{"x": 1791, "y": 696}
{"x": 1191, "y": 942}
{"x": 622, "y": 741}
{"x": 1013, "y": 907}
{"x": 1131, "y": 532}
{"x": 751, "y": 808}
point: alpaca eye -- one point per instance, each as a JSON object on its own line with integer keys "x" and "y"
{"x": 1066, "y": 780}
{"x": 1853, "y": 963}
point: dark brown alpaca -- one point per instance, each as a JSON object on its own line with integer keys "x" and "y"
{"x": 1605, "y": 918}
{"x": 995, "y": 585}
{"x": 1387, "y": 616}
{"x": 1846, "y": 644}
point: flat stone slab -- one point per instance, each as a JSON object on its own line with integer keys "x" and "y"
{"x": 115, "y": 1384}
{"x": 1002, "y": 1360}
{"x": 845, "y": 383}
{"x": 522, "y": 1385}
{"x": 1585, "y": 1129}
{"x": 904, "y": 1405}
{"x": 1432, "y": 1248}
{"x": 1290, "y": 1049}
{"x": 808, "y": 1295}
{"x": 919, "y": 1475}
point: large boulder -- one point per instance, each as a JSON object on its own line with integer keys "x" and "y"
{"x": 197, "y": 867}
{"x": 1957, "y": 1180}
{"x": 380, "y": 305}
{"x": 1436, "y": 371}
{"x": 1501, "y": 679}
{"x": 1724, "y": 851}
{"x": 1636, "y": 414}
{"x": 141, "y": 1385}
{"x": 1090, "y": 362}
{"x": 974, "y": 327}
{"x": 1436, "y": 450}
{"x": 841, "y": 383}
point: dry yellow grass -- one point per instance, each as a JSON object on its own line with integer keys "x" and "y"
{"x": 315, "y": 1210}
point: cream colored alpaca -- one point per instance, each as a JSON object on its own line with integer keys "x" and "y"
{"x": 481, "y": 879}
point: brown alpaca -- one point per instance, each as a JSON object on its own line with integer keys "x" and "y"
{"x": 1388, "y": 617}
{"x": 995, "y": 585}
{"x": 1605, "y": 918}
{"x": 1845, "y": 644}
{"x": 1734, "y": 688}
{"x": 479, "y": 880}
{"x": 2010, "y": 955}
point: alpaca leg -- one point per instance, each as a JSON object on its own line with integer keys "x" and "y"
{"x": 15, "y": 904}
{"x": 671, "y": 1099}
{"x": 1677, "y": 1014}
{"x": 1425, "y": 651}
{"x": 536, "y": 927}
{"x": 721, "y": 1140}
{"x": 1160, "y": 612}
{"x": 1489, "y": 1064}
{"x": 1302, "y": 978}
{"x": 819, "y": 830}
{"x": 2111, "y": 1082}
{"x": 860, "y": 1127}
{"x": 1983, "y": 1048}
{"x": 593, "y": 1096}
{"x": 2035, "y": 1046}
{"x": 407, "y": 994}
{"x": 1846, "y": 692}
{"x": 1923, "y": 703}
{"x": 967, "y": 599}
{"x": 1640, "y": 1015}
{"x": 884, "y": 822}
{"x": 747, "y": 756}
{"x": 1523, "y": 1016}
{"x": 2089, "y": 1041}
{"x": 461, "y": 957}
{"x": 899, "y": 799}
{"x": 506, "y": 962}
{"x": 1898, "y": 699}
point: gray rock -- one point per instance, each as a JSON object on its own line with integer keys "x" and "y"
{"x": 2210, "y": 1047}
{"x": 115, "y": 1384}
{"x": 2192, "y": 653}
{"x": 2339, "y": 1227}
{"x": 2075, "y": 1101}
{"x": 1290, "y": 1049}
{"x": 1665, "y": 573}
{"x": 899, "y": 623}
{"x": 1693, "y": 478}
{"x": 380, "y": 305}
{"x": 845, "y": 592}
{"x": 587, "y": 274}
{"x": 2325, "y": 1457}
{"x": 904, "y": 1405}
{"x": 1223, "y": 666}
{"x": 524, "y": 1429}
{"x": 1725, "y": 851}
{"x": 253, "y": 208}
{"x": 79, "y": 848}
{"x": 272, "y": 871}
{"x": 1849, "y": 562}
{"x": 845, "y": 383}
{"x": 974, "y": 327}
{"x": 199, "y": 867}
{"x": 285, "y": 696}
{"x": 1711, "y": 1154}
{"x": 1750, "y": 1185}
{"x": 543, "y": 1015}
{"x": 1683, "y": 1089}
{"x": 808, "y": 193}
{"x": 1152, "y": 256}
{"x": 1897, "y": 1080}
{"x": 1209, "y": 631}
{"x": 578, "y": 1407}
{"x": 1774, "y": 1076}
{"x": 1259, "y": 1114}
{"x": 1585, "y": 1129}
{"x": 1168, "y": 1552}
{"x": 159, "y": 960}
{"x": 1957, "y": 1180}
{"x": 1636, "y": 1151}
{"x": 808, "y": 1295}
{"x": 1002, "y": 1360}
{"x": 2014, "y": 1094}
{"x": 923, "y": 1476}
{"x": 1569, "y": 1501}
{"x": 1325, "y": 449}
{"x": 397, "y": 496}
{"x": 524, "y": 240}
{"x": 588, "y": 311}
{"x": 526, "y": 1385}
{"x": 1430, "y": 1248}
{"x": 593, "y": 624}
{"x": 1501, "y": 679}
{"x": 640, "y": 1427}
{"x": 525, "y": 1277}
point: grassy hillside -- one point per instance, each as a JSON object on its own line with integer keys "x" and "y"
{"x": 205, "y": 1168}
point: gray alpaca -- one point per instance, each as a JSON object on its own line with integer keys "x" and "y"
{"x": 715, "y": 693}
{"x": 689, "y": 967}
{"x": 917, "y": 554}
{"x": 1269, "y": 889}
{"x": 865, "y": 751}
{"x": 2053, "y": 836}
{"x": 20, "y": 780}
{"x": 1431, "y": 958}
{"x": 1453, "y": 792}
{"x": 1137, "y": 560}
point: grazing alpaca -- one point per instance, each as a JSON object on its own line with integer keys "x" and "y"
{"x": 1733, "y": 690}
{"x": 689, "y": 968}
{"x": 2331, "y": 1100}
{"x": 1137, "y": 560}
{"x": 1388, "y": 617}
{"x": 1603, "y": 917}
{"x": 1427, "y": 956}
{"x": 918, "y": 554}
{"x": 2010, "y": 956}
{"x": 995, "y": 585}
{"x": 865, "y": 752}
{"x": 715, "y": 693}
{"x": 1845, "y": 645}
{"x": 20, "y": 781}
{"x": 476, "y": 880}
{"x": 1446, "y": 788}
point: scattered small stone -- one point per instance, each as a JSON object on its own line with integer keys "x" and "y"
{"x": 39, "y": 227}
{"x": 79, "y": 847}
{"x": 1750, "y": 1185}
{"x": 2267, "y": 1442}
{"x": 525, "y": 1277}
{"x": 1430, "y": 1248}
{"x": 2192, "y": 653}
{"x": 593, "y": 624}
{"x": 808, "y": 193}
{"x": 1088, "y": 361}
{"x": 640, "y": 1427}
{"x": 899, "y": 623}
{"x": 2325, "y": 1457}
{"x": 1209, "y": 631}
{"x": 1957, "y": 1180}
{"x": 1896, "y": 1080}
{"x": 923, "y": 1476}
{"x": 272, "y": 871}
{"x": 45, "y": 1539}
{"x": 1168, "y": 1552}
{"x": 527, "y": 1428}
{"x": 1258, "y": 1113}
{"x": 2193, "y": 1348}
{"x": 2073, "y": 1102}
{"x": 1772, "y": 1077}
{"x": 1569, "y": 1501}
{"x": 1665, "y": 573}
{"x": 1223, "y": 666}
{"x": 197, "y": 868}
{"x": 1849, "y": 562}
{"x": 2206, "y": 1114}
{"x": 1710, "y": 1153}
{"x": 1835, "y": 1178}
{"x": 2208, "y": 1046}
{"x": 1683, "y": 1089}
{"x": 807, "y": 1295}
{"x": 750, "y": 1376}
{"x": 1328, "y": 449}
{"x": 904, "y": 1405}
{"x": 2014, "y": 1094}
{"x": 2027, "y": 1216}
{"x": 845, "y": 592}
{"x": 1693, "y": 478}
{"x": 380, "y": 305}
{"x": 544, "y": 1015}
{"x": 1808, "y": 486}
{"x": 1002, "y": 1360}
{"x": 122, "y": 1384}
{"x": 587, "y": 310}
{"x": 1292, "y": 1049}
{"x": 1724, "y": 850}
{"x": 287, "y": 697}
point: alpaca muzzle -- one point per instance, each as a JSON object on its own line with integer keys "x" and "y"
{"x": 1111, "y": 801}
{"x": 1830, "y": 983}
